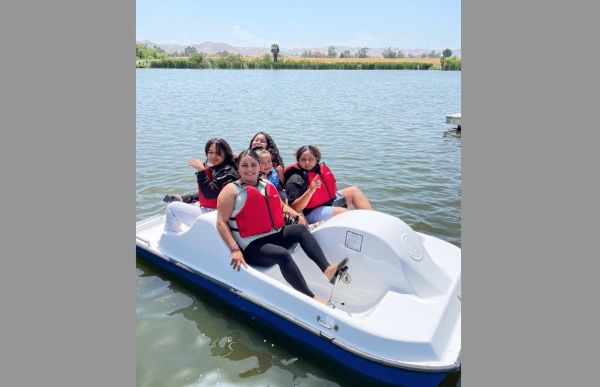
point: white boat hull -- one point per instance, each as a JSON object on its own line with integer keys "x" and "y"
{"x": 398, "y": 320}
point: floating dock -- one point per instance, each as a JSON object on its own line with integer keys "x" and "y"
{"x": 453, "y": 119}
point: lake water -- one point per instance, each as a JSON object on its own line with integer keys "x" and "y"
{"x": 383, "y": 131}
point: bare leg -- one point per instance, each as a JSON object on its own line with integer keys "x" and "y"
{"x": 355, "y": 197}
{"x": 339, "y": 210}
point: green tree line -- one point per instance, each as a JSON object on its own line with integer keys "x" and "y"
{"x": 452, "y": 63}
{"x": 157, "y": 58}
{"x": 142, "y": 52}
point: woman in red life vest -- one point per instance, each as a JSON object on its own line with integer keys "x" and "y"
{"x": 250, "y": 221}
{"x": 312, "y": 189}
{"x": 210, "y": 182}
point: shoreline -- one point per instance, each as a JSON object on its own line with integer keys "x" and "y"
{"x": 234, "y": 62}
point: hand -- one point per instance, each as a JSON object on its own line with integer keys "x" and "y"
{"x": 302, "y": 220}
{"x": 316, "y": 183}
{"x": 178, "y": 197}
{"x": 196, "y": 163}
{"x": 237, "y": 260}
{"x": 279, "y": 169}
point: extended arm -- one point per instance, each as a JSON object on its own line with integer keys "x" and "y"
{"x": 225, "y": 206}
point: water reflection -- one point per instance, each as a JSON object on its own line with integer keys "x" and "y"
{"x": 236, "y": 345}
{"x": 453, "y": 133}
{"x": 227, "y": 346}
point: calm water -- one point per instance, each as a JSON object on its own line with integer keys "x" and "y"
{"x": 384, "y": 131}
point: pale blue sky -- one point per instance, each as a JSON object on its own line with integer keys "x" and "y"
{"x": 302, "y": 23}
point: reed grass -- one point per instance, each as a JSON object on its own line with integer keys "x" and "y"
{"x": 265, "y": 62}
{"x": 452, "y": 64}
{"x": 365, "y": 60}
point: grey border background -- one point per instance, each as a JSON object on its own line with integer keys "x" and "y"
{"x": 530, "y": 193}
{"x": 67, "y": 156}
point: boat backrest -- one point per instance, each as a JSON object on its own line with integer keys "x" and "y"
{"x": 385, "y": 255}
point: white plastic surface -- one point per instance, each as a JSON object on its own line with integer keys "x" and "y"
{"x": 402, "y": 302}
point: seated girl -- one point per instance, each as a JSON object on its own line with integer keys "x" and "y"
{"x": 268, "y": 172}
{"x": 265, "y": 141}
{"x": 211, "y": 181}
{"x": 312, "y": 189}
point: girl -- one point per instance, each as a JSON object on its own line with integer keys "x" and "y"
{"x": 265, "y": 141}
{"x": 312, "y": 189}
{"x": 210, "y": 182}
{"x": 267, "y": 171}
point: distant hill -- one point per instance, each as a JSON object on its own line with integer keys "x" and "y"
{"x": 210, "y": 48}
{"x": 373, "y": 51}
{"x": 214, "y": 47}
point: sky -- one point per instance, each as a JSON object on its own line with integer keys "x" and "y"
{"x": 303, "y": 23}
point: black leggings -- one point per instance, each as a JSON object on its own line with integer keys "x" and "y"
{"x": 272, "y": 250}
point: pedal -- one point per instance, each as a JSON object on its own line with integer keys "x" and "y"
{"x": 347, "y": 278}
{"x": 344, "y": 273}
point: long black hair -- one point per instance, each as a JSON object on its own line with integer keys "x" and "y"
{"x": 272, "y": 148}
{"x": 222, "y": 148}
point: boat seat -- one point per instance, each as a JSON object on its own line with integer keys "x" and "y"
{"x": 265, "y": 270}
{"x": 272, "y": 272}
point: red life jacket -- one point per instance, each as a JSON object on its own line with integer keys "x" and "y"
{"x": 322, "y": 195}
{"x": 204, "y": 202}
{"x": 260, "y": 213}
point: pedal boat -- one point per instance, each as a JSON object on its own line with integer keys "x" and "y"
{"x": 395, "y": 317}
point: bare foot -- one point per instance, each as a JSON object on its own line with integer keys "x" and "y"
{"x": 322, "y": 301}
{"x": 330, "y": 271}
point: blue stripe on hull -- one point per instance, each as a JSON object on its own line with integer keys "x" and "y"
{"x": 367, "y": 369}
